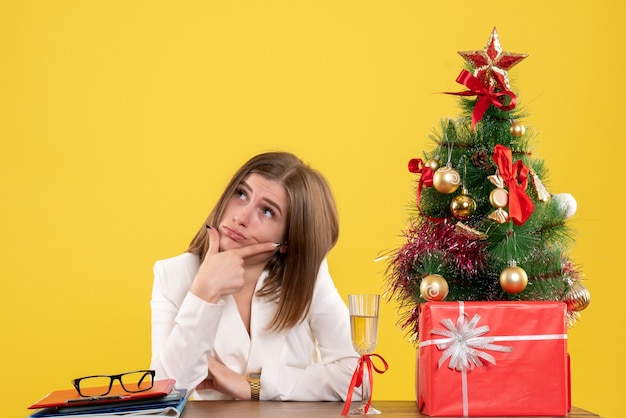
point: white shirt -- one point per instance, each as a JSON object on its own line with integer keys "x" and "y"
{"x": 313, "y": 361}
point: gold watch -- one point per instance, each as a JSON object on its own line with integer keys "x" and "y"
{"x": 254, "y": 379}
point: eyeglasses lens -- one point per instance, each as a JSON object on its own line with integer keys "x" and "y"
{"x": 95, "y": 386}
{"x": 136, "y": 381}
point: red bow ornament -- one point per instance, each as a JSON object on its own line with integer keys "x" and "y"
{"x": 416, "y": 165}
{"x": 515, "y": 177}
{"x": 486, "y": 95}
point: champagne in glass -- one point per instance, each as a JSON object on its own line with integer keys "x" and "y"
{"x": 364, "y": 333}
{"x": 364, "y": 327}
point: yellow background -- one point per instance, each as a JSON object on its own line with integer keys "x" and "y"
{"x": 121, "y": 121}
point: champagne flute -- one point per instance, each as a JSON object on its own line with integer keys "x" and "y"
{"x": 364, "y": 326}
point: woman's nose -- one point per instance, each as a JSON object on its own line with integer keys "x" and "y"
{"x": 242, "y": 216}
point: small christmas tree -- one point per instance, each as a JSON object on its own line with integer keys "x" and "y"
{"x": 484, "y": 227}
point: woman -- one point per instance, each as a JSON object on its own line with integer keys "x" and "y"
{"x": 250, "y": 310}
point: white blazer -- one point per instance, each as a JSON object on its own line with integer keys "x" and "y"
{"x": 312, "y": 361}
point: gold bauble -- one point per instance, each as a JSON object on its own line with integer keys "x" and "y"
{"x": 577, "y": 297}
{"x": 499, "y": 198}
{"x": 463, "y": 206}
{"x": 446, "y": 180}
{"x": 513, "y": 279}
{"x": 433, "y": 164}
{"x": 434, "y": 287}
{"x": 517, "y": 129}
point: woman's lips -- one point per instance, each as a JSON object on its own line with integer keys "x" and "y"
{"x": 234, "y": 235}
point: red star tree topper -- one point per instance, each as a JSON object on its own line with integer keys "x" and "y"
{"x": 492, "y": 63}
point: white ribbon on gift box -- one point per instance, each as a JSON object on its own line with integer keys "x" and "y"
{"x": 464, "y": 343}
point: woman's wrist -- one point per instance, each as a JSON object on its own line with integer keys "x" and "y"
{"x": 254, "y": 380}
{"x": 204, "y": 294}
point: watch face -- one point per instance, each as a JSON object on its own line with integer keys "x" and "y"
{"x": 254, "y": 375}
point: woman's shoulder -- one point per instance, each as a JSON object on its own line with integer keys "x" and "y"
{"x": 179, "y": 260}
{"x": 324, "y": 282}
{"x": 326, "y": 298}
{"x": 173, "y": 277}
{"x": 182, "y": 266}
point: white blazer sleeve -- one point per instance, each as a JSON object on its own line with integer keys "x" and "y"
{"x": 183, "y": 325}
{"x": 328, "y": 377}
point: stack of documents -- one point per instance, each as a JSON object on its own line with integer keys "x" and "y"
{"x": 162, "y": 400}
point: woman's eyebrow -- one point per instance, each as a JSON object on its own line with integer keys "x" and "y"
{"x": 270, "y": 202}
{"x": 274, "y": 205}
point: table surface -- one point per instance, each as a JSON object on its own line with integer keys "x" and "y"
{"x": 251, "y": 409}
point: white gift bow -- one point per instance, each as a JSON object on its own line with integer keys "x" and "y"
{"x": 465, "y": 343}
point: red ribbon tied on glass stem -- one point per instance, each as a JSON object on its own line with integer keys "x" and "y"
{"x": 486, "y": 95}
{"x": 515, "y": 178}
{"x": 365, "y": 361}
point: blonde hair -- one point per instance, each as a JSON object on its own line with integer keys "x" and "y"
{"x": 312, "y": 231}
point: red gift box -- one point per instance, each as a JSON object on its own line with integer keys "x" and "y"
{"x": 493, "y": 359}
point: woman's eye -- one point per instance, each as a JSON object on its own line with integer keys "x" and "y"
{"x": 240, "y": 194}
{"x": 267, "y": 212}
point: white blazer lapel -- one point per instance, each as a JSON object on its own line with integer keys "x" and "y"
{"x": 265, "y": 346}
{"x": 232, "y": 342}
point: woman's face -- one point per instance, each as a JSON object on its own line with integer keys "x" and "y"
{"x": 256, "y": 212}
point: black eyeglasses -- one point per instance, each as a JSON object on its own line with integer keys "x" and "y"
{"x": 100, "y": 385}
